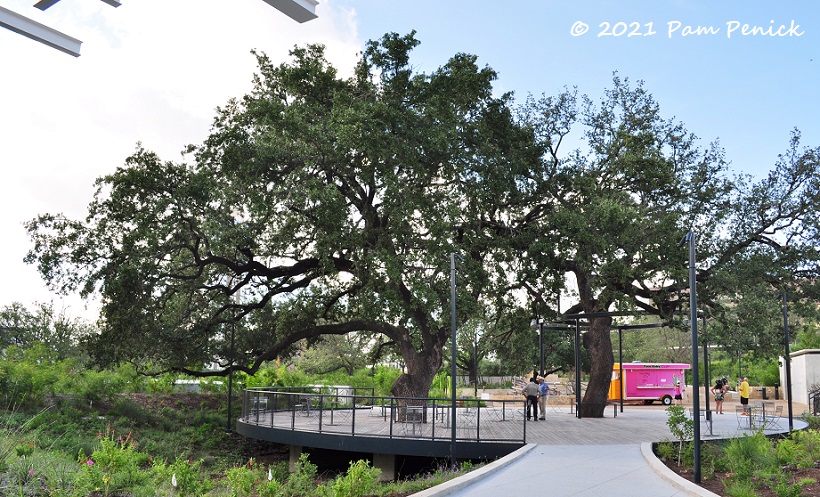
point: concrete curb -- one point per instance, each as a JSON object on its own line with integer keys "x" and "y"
{"x": 670, "y": 476}
{"x": 457, "y": 484}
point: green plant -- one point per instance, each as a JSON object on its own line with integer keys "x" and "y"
{"x": 113, "y": 466}
{"x": 713, "y": 459}
{"x": 359, "y": 480}
{"x": 183, "y": 477}
{"x": 241, "y": 481}
{"x": 384, "y": 378}
{"x": 783, "y": 488}
{"x": 422, "y": 482}
{"x": 55, "y": 473}
{"x": 681, "y": 426}
{"x": 749, "y": 454}
{"x": 789, "y": 451}
{"x": 813, "y": 421}
{"x": 301, "y": 482}
{"x": 269, "y": 488}
{"x": 740, "y": 488}
{"x": 23, "y": 469}
{"x": 666, "y": 451}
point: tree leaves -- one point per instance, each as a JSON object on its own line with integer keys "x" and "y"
{"x": 323, "y": 206}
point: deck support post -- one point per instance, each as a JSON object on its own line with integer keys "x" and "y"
{"x": 386, "y": 463}
{"x": 295, "y": 454}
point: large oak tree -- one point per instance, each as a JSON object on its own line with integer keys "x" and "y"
{"x": 621, "y": 201}
{"x": 318, "y": 205}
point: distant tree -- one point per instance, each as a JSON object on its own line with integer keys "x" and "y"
{"x": 15, "y": 324}
{"x": 666, "y": 344}
{"x": 516, "y": 346}
{"x": 56, "y": 330}
{"x": 334, "y": 353}
{"x": 807, "y": 338}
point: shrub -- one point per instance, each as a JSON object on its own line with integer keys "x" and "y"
{"x": 301, "y": 482}
{"x": 783, "y": 488}
{"x": 241, "y": 481}
{"x": 182, "y": 477}
{"x": 680, "y": 425}
{"x": 713, "y": 458}
{"x": 749, "y": 454}
{"x": 666, "y": 451}
{"x": 359, "y": 480}
{"x": 802, "y": 449}
{"x": 813, "y": 421}
{"x": 115, "y": 465}
{"x": 741, "y": 488}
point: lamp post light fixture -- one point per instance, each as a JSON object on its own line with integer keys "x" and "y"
{"x": 538, "y": 324}
{"x": 689, "y": 238}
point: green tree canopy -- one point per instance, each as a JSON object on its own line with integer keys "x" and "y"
{"x": 317, "y": 206}
{"x": 322, "y": 205}
{"x": 55, "y": 329}
{"x": 619, "y": 204}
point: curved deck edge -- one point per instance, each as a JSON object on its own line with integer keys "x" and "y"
{"x": 396, "y": 446}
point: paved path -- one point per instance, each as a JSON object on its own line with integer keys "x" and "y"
{"x": 606, "y": 457}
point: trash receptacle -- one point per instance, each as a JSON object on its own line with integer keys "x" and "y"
{"x": 764, "y": 393}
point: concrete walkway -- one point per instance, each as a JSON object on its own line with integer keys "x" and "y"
{"x": 624, "y": 465}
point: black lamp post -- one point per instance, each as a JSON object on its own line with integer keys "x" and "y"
{"x": 475, "y": 366}
{"x": 707, "y": 380}
{"x": 693, "y": 322}
{"x": 453, "y": 257}
{"x": 787, "y": 358}
{"x": 228, "y": 427}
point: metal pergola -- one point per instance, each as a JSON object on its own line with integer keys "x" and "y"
{"x": 298, "y": 10}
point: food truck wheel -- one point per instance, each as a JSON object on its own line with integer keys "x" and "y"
{"x": 667, "y": 400}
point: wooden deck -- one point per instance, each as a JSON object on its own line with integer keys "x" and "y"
{"x": 485, "y": 424}
{"x": 561, "y": 427}
{"x": 485, "y": 429}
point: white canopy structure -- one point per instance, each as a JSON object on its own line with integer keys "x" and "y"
{"x": 298, "y": 10}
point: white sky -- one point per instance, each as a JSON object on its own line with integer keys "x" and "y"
{"x": 153, "y": 71}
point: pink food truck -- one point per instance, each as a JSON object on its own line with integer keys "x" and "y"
{"x": 646, "y": 381}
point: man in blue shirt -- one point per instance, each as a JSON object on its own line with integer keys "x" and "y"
{"x": 543, "y": 391}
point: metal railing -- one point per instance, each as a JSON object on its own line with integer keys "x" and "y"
{"x": 814, "y": 402}
{"x": 306, "y": 409}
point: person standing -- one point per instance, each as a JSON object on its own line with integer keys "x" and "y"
{"x": 743, "y": 391}
{"x": 719, "y": 391}
{"x": 543, "y": 391}
{"x": 531, "y": 393}
{"x": 678, "y": 394}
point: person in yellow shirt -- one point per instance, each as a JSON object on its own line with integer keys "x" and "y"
{"x": 743, "y": 390}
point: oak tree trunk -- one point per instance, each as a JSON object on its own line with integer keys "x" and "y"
{"x": 599, "y": 346}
